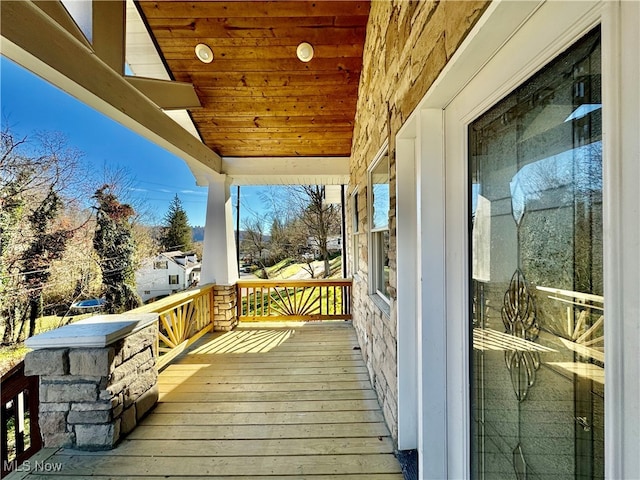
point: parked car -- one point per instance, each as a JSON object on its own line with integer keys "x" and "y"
{"x": 89, "y": 305}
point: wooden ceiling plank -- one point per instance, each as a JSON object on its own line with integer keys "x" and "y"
{"x": 268, "y": 79}
{"x": 280, "y": 151}
{"x": 160, "y": 9}
{"x": 286, "y": 121}
{"x": 338, "y": 102}
{"x": 233, "y": 94}
{"x": 344, "y": 36}
{"x": 279, "y": 112}
{"x": 249, "y": 132}
{"x": 273, "y": 142}
{"x": 299, "y": 135}
{"x": 199, "y": 22}
{"x": 285, "y": 36}
{"x": 266, "y": 65}
{"x": 185, "y": 50}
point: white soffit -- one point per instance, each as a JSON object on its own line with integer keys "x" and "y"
{"x": 144, "y": 61}
{"x": 287, "y": 170}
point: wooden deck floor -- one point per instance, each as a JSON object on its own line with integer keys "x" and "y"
{"x": 274, "y": 402}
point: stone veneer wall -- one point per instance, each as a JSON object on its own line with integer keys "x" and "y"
{"x": 408, "y": 44}
{"x": 225, "y": 315}
{"x": 90, "y": 397}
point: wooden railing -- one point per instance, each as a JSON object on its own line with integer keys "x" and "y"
{"x": 306, "y": 300}
{"x": 20, "y": 429}
{"x": 184, "y": 318}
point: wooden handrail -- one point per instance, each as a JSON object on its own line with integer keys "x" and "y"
{"x": 305, "y": 300}
{"x": 183, "y": 318}
{"x": 20, "y": 403}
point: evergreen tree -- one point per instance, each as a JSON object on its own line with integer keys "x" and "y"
{"x": 177, "y": 232}
{"x": 114, "y": 244}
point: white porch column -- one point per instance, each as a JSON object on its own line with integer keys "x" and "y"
{"x": 219, "y": 263}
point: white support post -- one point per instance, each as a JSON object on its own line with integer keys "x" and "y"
{"x": 219, "y": 264}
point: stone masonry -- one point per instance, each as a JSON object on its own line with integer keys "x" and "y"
{"x": 91, "y": 397}
{"x": 408, "y": 44}
{"x": 225, "y": 315}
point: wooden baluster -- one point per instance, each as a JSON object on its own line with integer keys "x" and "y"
{"x": 5, "y": 433}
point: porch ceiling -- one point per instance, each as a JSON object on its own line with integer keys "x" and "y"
{"x": 258, "y": 99}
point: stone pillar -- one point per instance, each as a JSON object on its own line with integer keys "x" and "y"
{"x": 97, "y": 379}
{"x": 219, "y": 261}
{"x": 225, "y": 313}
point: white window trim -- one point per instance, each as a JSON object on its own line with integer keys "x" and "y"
{"x": 504, "y": 49}
{"x": 373, "y": 290}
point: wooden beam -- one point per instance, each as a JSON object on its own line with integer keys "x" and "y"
{"x": 168, "y": 95}
{"x": 61, "y": 16}
{"x": 32, "y": 39}
{"x": 109, "y": 32}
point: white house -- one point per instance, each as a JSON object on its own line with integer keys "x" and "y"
{"x": 167, "y": 273}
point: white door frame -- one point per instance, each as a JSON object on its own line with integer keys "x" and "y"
{"x": 510, "y": 42}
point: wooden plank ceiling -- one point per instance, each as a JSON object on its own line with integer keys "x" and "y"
{"x": 258, "y": 99}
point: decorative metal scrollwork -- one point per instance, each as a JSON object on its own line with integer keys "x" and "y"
{"x": 519, "y": 319}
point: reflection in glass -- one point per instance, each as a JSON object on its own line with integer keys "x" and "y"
{"x": 380, "y": 225}
{"x": 536, "y": 265}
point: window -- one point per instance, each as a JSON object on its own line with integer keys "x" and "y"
{"x": 174, "y": 279}
{"x": 379, "y": 225}
{"x": 160, "y": 265}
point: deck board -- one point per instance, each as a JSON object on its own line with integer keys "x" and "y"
{"x": 259, "y": 403}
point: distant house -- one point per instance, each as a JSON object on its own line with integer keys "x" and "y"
{"x": 167, "y": 273}
{"x": 334, "y": 244}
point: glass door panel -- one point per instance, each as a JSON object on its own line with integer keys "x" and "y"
{"x": 537, "y": 389}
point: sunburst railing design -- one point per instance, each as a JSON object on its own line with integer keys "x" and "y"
{"x": 184, "y": 317}
{"x": 304, "y": 300}
{"x": 584, "y": 331}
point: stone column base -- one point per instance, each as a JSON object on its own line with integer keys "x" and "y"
{"x": 225, "y": 314}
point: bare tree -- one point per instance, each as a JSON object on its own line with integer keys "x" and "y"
{"x": 320, "y": 220}
{"x": 34, "y": 178}
{"x": 255, "y": 241}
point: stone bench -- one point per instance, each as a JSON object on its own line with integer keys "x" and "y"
{"x": 98, "y": 378}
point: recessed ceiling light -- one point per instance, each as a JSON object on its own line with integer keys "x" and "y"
{"x": 305, "y": 52}
{"x": 204, "y": 53}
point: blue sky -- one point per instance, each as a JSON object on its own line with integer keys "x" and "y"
{"x": 29, "y": 104}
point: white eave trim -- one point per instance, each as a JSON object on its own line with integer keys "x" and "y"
{"x": 287, "y": 170}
